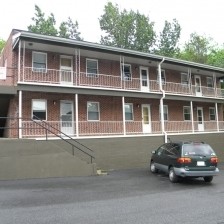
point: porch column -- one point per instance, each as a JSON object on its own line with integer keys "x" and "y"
{"x": 123, "y": 110}
{"x": 20, "y": 114}
{"x": 76, "y": 115}
{"x": 192, "y": 117}
{"x": 217, "y": 116}
{"x": 24, "y": 45}
{"x": 19, "y": 63}
{"x": 214, "y": 84}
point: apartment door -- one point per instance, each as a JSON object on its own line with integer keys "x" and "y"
{"x": 200, "y": 119}
{"x": 66, "y": 74}
{"x": 66, "y": 115}
{"x": 144, "y": 76}
{"x": 198, "y": 90}
{"x": 146, "y": 118}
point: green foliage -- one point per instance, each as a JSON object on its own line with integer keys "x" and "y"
{"x": 197, "y": 49}
{"x": 126, "y": 29}
{"x": 216, "y": 58}
{"x": 2, "y": 44}
{"x": 47, "y": 26}
{"x": 169, "y": 38}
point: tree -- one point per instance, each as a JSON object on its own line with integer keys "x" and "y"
{"x": 47, "y": 26}
{"x": 197, "y": 49}
{"x": 216, "y": 57}
{"x": 2, "y": 44}
{"x": 169, "y": 38}
{"x": 126, "y": 29}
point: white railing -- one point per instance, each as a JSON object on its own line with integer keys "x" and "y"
{"x": 52, "y": 76}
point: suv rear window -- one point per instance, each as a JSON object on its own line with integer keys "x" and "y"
{"x": 197, "y": 149}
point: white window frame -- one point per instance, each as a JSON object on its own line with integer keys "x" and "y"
{"x": 132, "y": 111}
{"x": 212, "y": 108}
{"x": 186, "y": 107}
{"x": 184, "y": 78}
{"x": 163, "y": 76}
{"x": 39, "y": 100}
{"x": 209, "y": 82}
{"x": 92, "y": 74}
{"x": 165, "y": 109}
{"x": 34, "y": 69}
{"x": 123, "y": 76}
{"x": 98, "y": 107}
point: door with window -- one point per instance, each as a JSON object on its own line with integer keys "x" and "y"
{"x": 198, "y": 90}
{"x": 66, "y": 74}
{"x": 146, "y": 118}
{"x": 144, "y": 79}
{"x": 66, "y": 115}
{"x": 200, "y": 119}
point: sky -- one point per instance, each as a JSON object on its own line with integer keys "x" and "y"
{"x": 205, "y": 17}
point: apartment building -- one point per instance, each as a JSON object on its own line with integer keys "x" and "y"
{"x": 87, "y": 91}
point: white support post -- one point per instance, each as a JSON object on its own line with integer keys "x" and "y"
{"x": 19, "y": 62}
{"x": 24, "y": 45}
{"x": 192, "y": 117}
{"x": 217, "y": 116}
{"x": 76, "y": 115}
{"x": 214, "y": 83}
{"x": 123, "y": 110}
{"x": 20, "y": 114}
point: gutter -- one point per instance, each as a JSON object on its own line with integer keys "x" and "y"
{"x": 161, "y": 100}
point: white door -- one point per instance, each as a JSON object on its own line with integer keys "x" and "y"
{"x": 198, "y": 90}
{"x": 146, "y": 118}
{"x": 200, "y": 119}
{"x": 144, "y": 78}
{"x": 66, "y": 74}
{"x": 66, "y": 114}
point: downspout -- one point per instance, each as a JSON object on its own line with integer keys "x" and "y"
{"x": 161, "y": 100}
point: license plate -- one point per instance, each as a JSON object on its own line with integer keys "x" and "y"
{"x": 200, "y": 163}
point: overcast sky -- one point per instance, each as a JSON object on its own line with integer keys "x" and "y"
{"x": 206, "y": 17}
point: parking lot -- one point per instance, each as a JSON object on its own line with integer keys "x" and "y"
{"x": 125, "y": 196}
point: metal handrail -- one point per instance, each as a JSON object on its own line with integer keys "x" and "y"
{"x": 59, "y": 136}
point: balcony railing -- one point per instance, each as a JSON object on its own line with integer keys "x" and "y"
{"x": 111, "y": 128}
{"x": 71, "y": 78}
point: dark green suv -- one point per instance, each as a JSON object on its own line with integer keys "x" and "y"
{"x": 185, "y": 159}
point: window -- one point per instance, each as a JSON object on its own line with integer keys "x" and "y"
{"x": 39, "y": 62}
{"x": 126, "y": 71}
{"x": 187, "y": 113}
{"x": 209, "y": 82}
{"x": 184, "y": 79}
{"x": 128, "y": 112}
{"x": 39, "y": 110}
{"x": 212, "y": 113}
{"x": 93, "y": 111}
{"x": 91, "y": 67}
{"x": 165, "y": 112}
{"x": 163, "y": 76}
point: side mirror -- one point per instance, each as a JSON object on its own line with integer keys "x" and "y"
{"x": 153, "y": 152}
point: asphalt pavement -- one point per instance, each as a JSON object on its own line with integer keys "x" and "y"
{"x": 132, "y": 196}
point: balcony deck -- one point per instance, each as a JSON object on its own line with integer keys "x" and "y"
{"x": 62, "y": 78}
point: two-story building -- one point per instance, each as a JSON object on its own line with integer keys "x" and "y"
{"x": 93, "y": 92}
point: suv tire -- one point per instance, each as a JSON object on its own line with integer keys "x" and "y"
{"x": 208, "y": 179}
{"x": 172, "y": 176}
{"x": 153, "y": 169}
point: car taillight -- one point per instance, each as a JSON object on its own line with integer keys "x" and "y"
{"x": 214, "y": 160}
{"x": 184, "y": 160}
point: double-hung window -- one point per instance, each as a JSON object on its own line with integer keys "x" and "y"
{"x": 91, "y": 67}
{"x": 209, "y": 82}
{"x": 39, "y": 109}
{"x": 93, "y": 111}
{"x": 184, "y": 79}
{"x": 126, "y": 72}
{"x": 212, "y": 113}
{"x": 128, "y": 111}
{"x": 187, "y": 113}
{"x": 39, "y": 62}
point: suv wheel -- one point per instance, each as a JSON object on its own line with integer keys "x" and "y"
{"x": 153, "y": 169}
{"x": 208, "y": 179}
{"x": 172, "y": 176}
